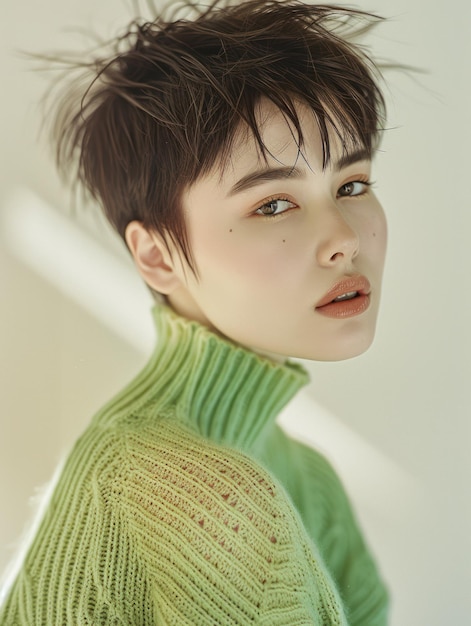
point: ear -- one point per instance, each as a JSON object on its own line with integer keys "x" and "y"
{"x": 152, "y": 258}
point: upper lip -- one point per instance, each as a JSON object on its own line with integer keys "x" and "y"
{"x": 350, "y": 283}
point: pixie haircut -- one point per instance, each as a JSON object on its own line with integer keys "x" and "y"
{"x": 164, "y": 108}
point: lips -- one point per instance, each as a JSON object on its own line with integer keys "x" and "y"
{"x": 348, "y": 297}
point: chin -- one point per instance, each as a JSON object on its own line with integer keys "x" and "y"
{"x": 339, "y": 349}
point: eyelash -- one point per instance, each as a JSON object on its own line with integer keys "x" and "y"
{"x": 268, "y": 201}
{"x": 366, "y": 183}
{"x": 271, "y": 200}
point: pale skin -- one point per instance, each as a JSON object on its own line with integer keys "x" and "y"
{"x": 267, "y": 251}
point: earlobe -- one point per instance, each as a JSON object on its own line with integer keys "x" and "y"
{"x": 152, "y": 258}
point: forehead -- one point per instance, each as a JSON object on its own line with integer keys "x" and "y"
{"x": 279, "y": 143}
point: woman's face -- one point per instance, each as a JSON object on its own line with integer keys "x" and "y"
{"x": 289, "y": 256}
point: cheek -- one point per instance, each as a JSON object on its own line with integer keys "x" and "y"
{"x": 374, "y": 235}
{"x": 244, "y": 252}
{"x": 380, "y": 233}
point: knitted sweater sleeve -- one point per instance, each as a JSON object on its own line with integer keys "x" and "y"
{"x": 79, "y": 568}
{"x": 156, "y": 526}
{"x": 219, "y": 539}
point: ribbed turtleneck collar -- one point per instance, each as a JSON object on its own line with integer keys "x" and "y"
{"x": 228, "y": 393}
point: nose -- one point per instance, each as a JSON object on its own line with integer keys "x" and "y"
{"x": 338, "y": 241}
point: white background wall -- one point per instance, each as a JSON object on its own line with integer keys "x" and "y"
{"x": 401, "y": 433}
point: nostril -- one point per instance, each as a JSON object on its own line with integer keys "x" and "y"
{"x": 340, "y": 242}
{"x": 335, "y": 256}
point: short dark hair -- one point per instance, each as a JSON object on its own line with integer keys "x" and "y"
{"x": 165, "y": 107}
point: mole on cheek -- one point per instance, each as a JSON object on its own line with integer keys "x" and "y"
{"x": 284, "y": 240}
{"x": 230, "y": 230}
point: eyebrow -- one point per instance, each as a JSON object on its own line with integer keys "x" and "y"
{"x": 282, "y": 173}
{"x": 260, "y": 176}
{"x": 351, "y": 158}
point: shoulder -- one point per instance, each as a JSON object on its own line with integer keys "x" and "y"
{"x": 136, "y": 452}
{"x": 143, "y": 468}
{"x": 175, "y": 463}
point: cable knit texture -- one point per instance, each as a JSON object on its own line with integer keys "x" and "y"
{"x": 183, "y": 503}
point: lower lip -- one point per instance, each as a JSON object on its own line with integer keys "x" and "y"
{"x": 345, "y": 308}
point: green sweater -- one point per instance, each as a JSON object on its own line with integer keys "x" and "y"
{"x": 184, "y": 503}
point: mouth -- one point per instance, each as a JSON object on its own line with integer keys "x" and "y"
{"x": 347, "y": 298}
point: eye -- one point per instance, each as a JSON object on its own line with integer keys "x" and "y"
{"x": 353, "y": 188}
{"x": 273, "y": 207}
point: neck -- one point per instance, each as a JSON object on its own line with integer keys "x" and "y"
{"x": 229, "y": 394}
